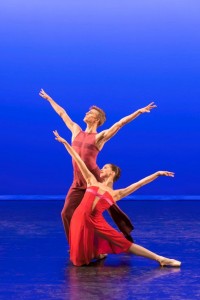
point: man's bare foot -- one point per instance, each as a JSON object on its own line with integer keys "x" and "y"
{"x": 102, "y": 256}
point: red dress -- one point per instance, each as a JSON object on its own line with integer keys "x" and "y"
{"x": 84, "y": 145}
{"x": 90, "y": 234}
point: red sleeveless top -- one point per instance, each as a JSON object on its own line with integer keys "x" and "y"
{"x": 84, "y": 144}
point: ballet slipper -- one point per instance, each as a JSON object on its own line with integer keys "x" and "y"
{"x": 168, "y": 262}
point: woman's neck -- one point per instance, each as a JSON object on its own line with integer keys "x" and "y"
{"x": 108, "y": 182}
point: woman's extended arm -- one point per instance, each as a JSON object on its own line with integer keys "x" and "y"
{"x": 121, "y": 193}
{"x": 88, "y": 176}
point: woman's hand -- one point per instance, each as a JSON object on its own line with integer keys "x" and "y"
{"x": 166, "y": 173}
{"x": 58, "y": 138}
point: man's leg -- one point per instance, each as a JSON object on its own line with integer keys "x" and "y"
{"x": 72, "y": 201}
{"x": 122, "y": 221}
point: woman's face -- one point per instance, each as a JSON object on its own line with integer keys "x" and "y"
{"x": 106, "y": 171}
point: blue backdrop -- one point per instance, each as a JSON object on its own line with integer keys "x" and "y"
{"x": 119, "y": 55}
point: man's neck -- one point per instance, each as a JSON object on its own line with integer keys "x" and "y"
{"x": 91, "y": 128}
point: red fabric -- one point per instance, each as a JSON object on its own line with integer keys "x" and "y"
{"x": 84, "y": 144}
{"x": 90, "y": 234}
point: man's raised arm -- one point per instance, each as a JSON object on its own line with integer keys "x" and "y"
{"x": 73, "y": 127}
{"x": 105, "y": 135}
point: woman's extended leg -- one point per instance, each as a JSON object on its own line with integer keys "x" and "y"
{"x": 163, "y": 261}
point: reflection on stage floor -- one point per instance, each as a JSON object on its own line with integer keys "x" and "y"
{"x": 34, "y": 257}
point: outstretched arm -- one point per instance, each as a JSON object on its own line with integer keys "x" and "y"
{"x": 73, "y": 127}
{"x": 105, "y": 135}
{"x": 121, "y": 193}
{"x": 88, "y": 176}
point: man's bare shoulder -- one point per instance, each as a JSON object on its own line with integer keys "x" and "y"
{"x": 99, "y": 139}
{"x": 75, "y": 131}
{"x": 100, "y": 135}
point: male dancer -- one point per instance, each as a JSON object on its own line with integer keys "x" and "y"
{"x": 87, "y": 144}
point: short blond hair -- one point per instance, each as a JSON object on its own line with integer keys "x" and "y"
{"x": 102, "y": 115}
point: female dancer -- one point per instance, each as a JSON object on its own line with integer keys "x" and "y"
{"x": 90, "y": 235}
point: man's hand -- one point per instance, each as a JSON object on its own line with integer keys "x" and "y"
{"x": 44, "y": 95}
{"x": 148, "y": 108}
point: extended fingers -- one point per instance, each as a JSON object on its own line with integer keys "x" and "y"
{"x": 152, "y": 105}
{"x": 170, "y": 174}
{"x": 41, "y": 92}
{"x": 167, "y": 173}
{"x": 55, "y": 132}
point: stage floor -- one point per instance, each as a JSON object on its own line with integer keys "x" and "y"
{"x": 34, "y": 258}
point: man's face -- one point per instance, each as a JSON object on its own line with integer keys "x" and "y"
{"x": 91, "y": 116}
